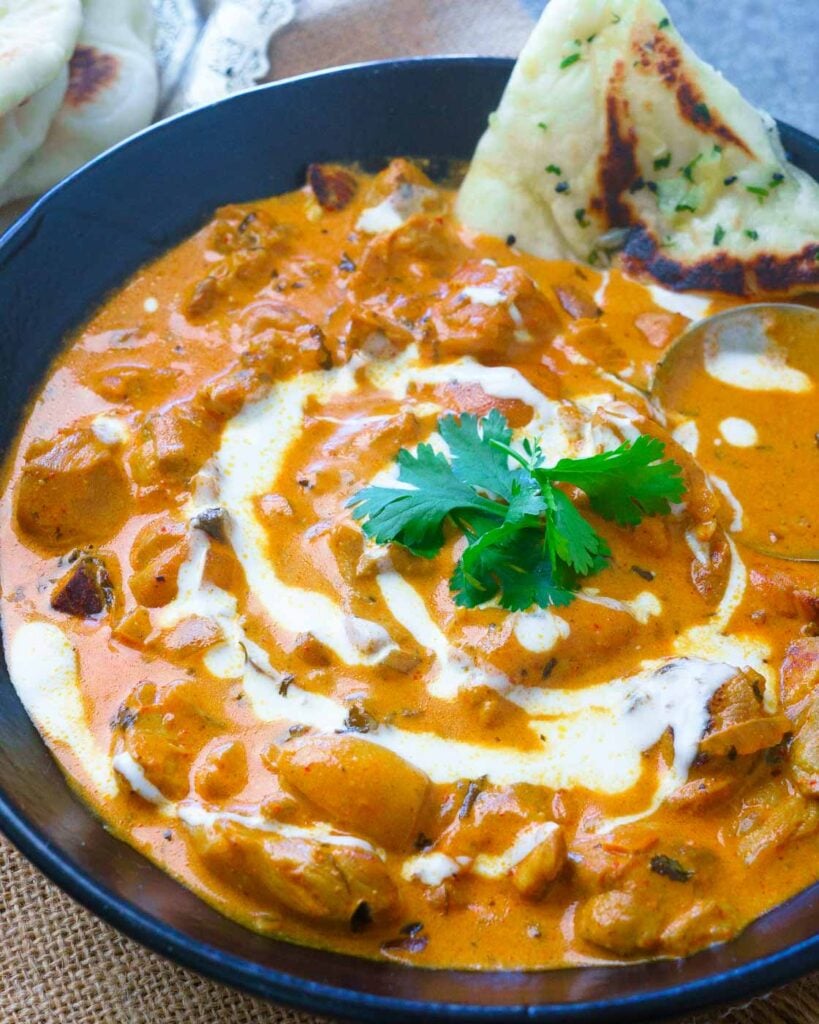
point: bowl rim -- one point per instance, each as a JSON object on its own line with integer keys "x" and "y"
{"x": 718, "y": 988}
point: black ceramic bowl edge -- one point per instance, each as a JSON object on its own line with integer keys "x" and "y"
{"x": 414, "y": 106}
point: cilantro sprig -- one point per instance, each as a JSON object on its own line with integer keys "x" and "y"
{"x": 527, "y": 542}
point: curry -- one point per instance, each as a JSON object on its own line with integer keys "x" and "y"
{"x": 305, "y": 726}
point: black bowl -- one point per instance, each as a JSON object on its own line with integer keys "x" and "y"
{"x": 56, "y": 265}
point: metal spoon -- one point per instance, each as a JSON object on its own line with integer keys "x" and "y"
{"x": 754, "y": 365}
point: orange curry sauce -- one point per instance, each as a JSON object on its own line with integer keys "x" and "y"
{"x": 301, "y": 762}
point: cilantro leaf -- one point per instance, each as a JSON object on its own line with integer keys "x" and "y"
{"x": 527, "y": 542}
{"x": 415, "y": 517}
{"x": 571, "y": 538}
{"x": 516, "y": 570}
{"x": 475, "y": 460}
{"x": 625, "y": 484}
{"x": 526, "y": 501}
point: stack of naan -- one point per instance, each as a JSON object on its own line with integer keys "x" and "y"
{"x": 76, "y": 76}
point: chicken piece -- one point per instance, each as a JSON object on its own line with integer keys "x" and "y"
{"x": 134, "y": 384}
{"x": 358, "y": 561}
{"x": 701, "y": 502}
{"x": 624, "y": 921}
{"x": 628, "y": 859}
{"x": 791, "y": 594}
{"x": 399, "y": 172}
{"x": 188, "y": 639}
{"x": 154, "y": 538}
{"x": 247, "y": 245}
{"x": 379, "y": 439}
{"x": 488, "y": 819}
{"x": 380, "y": 307}
{"x": 346, "y": 542}
{"x": 401, "y": 660}
{"x": 633, "y": 838}
{"x": 224, "y": 396}
{"x": 651, "y": 904}
{"x": 532, "y": 876}
{"x": 85, "y": 590}
{"x": 322, "y": 881}
{"x": 205, "y": 295}
{"x": 134, "y": 628}
{"x": 274, "y": 354}
{"x": 73, "y": 491}
{"x": 577, "y": 302}
{"x": 772, "y": 818}
{"x": 739, "y": 723}
{"x": 492, "y": 312}
{"x": 421, "y": 247}
{"x": 659, "y": 329}
{"x": 804, "y": 751}
{"x": 270, "y": 314}
{"x": 641, "y": 919}
{"x": 419, "y": 253}
{"x": 358, "y": 785}
{"x": 600, "y": 629}
{"x": 238, "y": 229}
{"x": 333, "y": 186}
{"x": 164, "y": 728}
{"x": 702, "y": 924}
{"x": 223, "y": 569}
{"x": 596, "y": 866}
{"x": 222, "y": 772}
{"x": 157, "y": 554}
{"x": 173, "y": 445}
{"x": 711, "y": 577}
{"x": 702, "y": 505}
{"x": 157, "y": 583}
{"x": 799, "y": 675}
{"x": 458, "y": 397}
{"x": 312, "y": 651}
{"x": 711, "y": 783}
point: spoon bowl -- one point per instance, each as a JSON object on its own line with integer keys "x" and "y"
{"x": 741, "y": 391}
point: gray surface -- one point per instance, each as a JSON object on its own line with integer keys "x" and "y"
{"x": 769, "y": 49}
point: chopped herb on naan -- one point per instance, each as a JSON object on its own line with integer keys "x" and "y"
{"x": 614, "y": 141}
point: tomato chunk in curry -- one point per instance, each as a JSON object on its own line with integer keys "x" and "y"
{"x": 303, "y": 726}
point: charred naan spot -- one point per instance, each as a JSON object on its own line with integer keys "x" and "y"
{"x": 89, "y": 72}
{"x": 692, "y": 107}
{"x": 657, "y": 52}
{"x": 776, "y": 273}
{"x": 720, "y": 273}
{"x": 617, "y": 169}
{"x": 661, "y": 55}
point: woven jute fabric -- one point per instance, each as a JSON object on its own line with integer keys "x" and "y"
{"x": 58, "y": 963}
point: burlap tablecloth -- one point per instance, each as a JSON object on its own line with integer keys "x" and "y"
{"x": 60, "y": 964}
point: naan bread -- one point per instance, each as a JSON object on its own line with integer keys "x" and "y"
{"x": 612, "y": 134}
{"x": 24, "y": 127}
{"x": 112, "y": 93}
{"x": 36, "y": 39}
